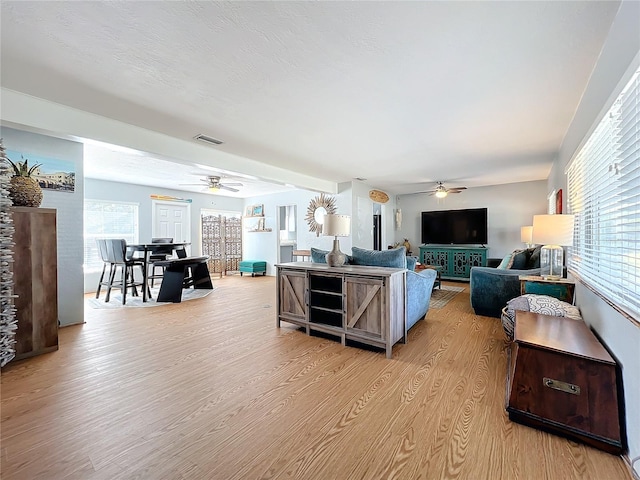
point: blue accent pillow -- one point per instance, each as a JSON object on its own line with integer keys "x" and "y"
{"x": 534, "y": 257}
{"x": 318, "y": 256}
{"x": 518, "y": 260}
{"x": 411, "y": 263}
{"x": 505, "y": 261}
{"x": 396, "y": 257}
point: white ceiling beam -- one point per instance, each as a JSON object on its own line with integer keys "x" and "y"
{"x": 43, "y": 116}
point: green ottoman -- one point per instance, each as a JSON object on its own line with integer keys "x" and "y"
{"x": 253, "y": 267}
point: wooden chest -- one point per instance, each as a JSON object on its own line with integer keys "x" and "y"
{"x": 561, "y": 379}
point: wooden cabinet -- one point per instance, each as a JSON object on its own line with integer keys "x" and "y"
{"x": 35, "y": 277}
{"x": 365, "y": 304}
{"x": 456, "y": 262}
{"x": 561, "y": 379}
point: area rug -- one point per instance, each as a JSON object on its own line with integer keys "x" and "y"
{"x": 441, "y": 296}
{"x": 116, "y": 299}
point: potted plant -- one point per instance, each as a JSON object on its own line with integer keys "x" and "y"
{"x": 24, "y": 190}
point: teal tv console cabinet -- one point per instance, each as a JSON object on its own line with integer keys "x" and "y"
{"x": 456, "y": 262}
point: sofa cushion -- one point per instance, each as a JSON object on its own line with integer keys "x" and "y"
{"x": 396, "y": 257}
{"x": 518, "y": 260}
{"x": 411, "y": 263}
{"x": 505, "y": 261}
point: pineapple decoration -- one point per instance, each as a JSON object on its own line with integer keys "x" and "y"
{"x": 24, "y": 190}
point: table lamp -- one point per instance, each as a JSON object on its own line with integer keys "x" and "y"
{"x": 336, "y": 226}
{"x": 526, "y": 235}
{"x": 553, "y": 232}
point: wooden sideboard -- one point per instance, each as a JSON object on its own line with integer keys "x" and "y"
{"x": 365, "y": 304}
{"x": 561, "y": 379}
{"x": 35, "y": 277}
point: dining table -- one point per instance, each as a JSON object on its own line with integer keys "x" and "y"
{"x": 146, "y": 249}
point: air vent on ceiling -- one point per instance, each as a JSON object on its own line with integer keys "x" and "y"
{"x": 207, "y": 139}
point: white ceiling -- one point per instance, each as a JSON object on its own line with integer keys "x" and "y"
{"x": 400, "y": 93}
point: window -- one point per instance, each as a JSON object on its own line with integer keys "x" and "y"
{"x": 107, "y": 219}
{"x": 604, "y": 195}
{"x": 551, "y": 203}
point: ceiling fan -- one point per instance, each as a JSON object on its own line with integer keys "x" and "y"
{"x": 213, "y": 184}
{"x": 441, "y": 191}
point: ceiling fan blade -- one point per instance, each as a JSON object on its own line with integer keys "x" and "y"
{"x": 194, "y": 184}
{"x": 456, "y": 188}
{"x": 227, "y": 187}
{"x": 236, "y": 184}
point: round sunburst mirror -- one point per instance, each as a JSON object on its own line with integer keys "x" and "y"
{"x": 317, "y": 209}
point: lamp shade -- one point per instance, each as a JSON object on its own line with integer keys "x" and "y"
{"x": 526, "y": 234}
{"x": 336, "y": 225}
{"x": 553, "y": 230}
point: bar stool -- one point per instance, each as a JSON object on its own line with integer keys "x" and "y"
{"x": 158, "y": 254}
{"x": 114, "y": 254}
{"x": 305, "y": 254}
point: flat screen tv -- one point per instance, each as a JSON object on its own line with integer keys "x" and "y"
{"x": 463, "y": 227}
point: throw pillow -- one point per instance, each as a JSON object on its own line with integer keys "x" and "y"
{"x": 505, "y": 261}
{"x": 538, "y": 304}
{"x": 411, "y": 263}
{"x": 518, "y": 260}
{"x": 396, "y": 257}
{"x": 318, "y": 256}
{"x": 534, "y": 257}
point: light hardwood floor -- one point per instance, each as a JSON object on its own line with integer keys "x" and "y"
{"x": 211, "y": 389}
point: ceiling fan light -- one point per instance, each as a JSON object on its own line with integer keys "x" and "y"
{"x": 441, "y": 194}
{"x": 213, "y": 189}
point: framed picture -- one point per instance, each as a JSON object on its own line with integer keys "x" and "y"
{"x": 249, "y": 211}
{"x": 50, "y": 173}
{"x": 258, "y": 210}
{"x": 559, "y": 201}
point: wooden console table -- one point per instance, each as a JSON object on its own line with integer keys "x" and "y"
{"x": 561, "y": 379}
{"x": 365, "y": 304}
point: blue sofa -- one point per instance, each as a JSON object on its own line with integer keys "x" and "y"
{"x": 491, "y": 288}
{"x": 419, "y": 284}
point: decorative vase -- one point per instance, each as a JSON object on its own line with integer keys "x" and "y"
{"x": 407, "y": 245}
{"x": 25, "y": 192}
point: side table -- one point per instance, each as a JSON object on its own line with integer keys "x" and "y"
{"x": 561, "y": 288}
{"x": 561, "y": 379}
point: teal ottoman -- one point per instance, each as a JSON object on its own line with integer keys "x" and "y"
{"x": 253, "y": 267}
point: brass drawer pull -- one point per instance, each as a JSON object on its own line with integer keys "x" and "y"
{"x": 562, "y": 386}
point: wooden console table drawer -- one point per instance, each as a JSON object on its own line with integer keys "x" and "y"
{"x": 561, "y": 379}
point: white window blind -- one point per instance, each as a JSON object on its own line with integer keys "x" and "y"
{"x": 107, "y": 219}
{"x": 604, "y": 196}
{"x": 551, "y": 203}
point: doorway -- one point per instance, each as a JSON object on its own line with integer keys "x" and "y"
{"x": 377, "y": 226}
{"x": 287, "y": 233}
{"x": 172, "y": 220}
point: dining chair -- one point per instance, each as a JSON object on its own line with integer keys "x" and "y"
{"x": 158, "y": 254}
{"x": 114, "y": 254}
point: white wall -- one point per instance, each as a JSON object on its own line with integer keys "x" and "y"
{"x": 509, "y": 207}
{"x": 620, "y": 56}
{"x": 69, "y": 217}
{"x": 352, "y": 197}
{"x": 125, "y": 192}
